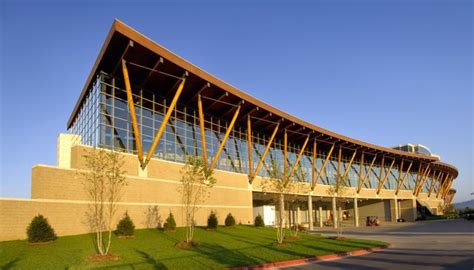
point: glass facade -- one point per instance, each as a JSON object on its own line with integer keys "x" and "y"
{"x": 104, "y": 121}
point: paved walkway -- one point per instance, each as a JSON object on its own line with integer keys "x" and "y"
{"x": 443, "y": 244}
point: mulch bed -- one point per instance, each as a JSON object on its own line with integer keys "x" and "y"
{"x": 40, "y": 243}
{"x": 292, "y": 238}
{"x": 184, "y": 244}
{"x": 337, "y": 238}
{"x": 103, "y": 258}
{"x": 125, "y": 237}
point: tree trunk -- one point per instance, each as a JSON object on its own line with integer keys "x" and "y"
{"x": 280, "y": 230}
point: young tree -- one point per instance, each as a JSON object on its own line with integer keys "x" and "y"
{"x": 300, "y": 177}
{"x": 152, "y": 217}
{"x": 338, "y": 190}
{"x": 103, "y": 182}
{"x": 196, "y": 182}
{"x": 279, "y": 184}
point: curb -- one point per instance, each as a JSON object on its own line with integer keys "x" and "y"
{"x": 311, "y": 259}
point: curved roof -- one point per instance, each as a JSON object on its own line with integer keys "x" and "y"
{"x": 145, "y": 52}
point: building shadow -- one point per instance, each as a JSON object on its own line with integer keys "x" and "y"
{"x": 225, "y": 256}
{"x": 150, "y": 260}
{"x": 10, "y": 265}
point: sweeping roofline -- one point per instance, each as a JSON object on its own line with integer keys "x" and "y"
{"x": 146, "y": 42}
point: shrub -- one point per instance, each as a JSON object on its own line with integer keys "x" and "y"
{"x": 212, "y": 221}
{"x": 229, "y": 220}
{"x": 170, "y": 223}
{"x": 39, "y": 230}
{"x": 125, "y": 227}
{"x": 259, "y": 221}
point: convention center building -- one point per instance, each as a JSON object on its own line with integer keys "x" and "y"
{"x": 156, "y": 109}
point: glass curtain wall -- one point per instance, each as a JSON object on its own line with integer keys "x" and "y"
{"x": 104, "y": 120}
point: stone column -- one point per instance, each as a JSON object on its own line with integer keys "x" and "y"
{"x": 298, "y": 215}
{"x": 334, "y": 212}
{"x": 356, "y": 212}
{"x": 396, "y": 209}
{"x": 310, "y": 212}
{"x": 320, "y": 212}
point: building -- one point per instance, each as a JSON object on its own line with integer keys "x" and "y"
{"x": 416, "y": 148}
{"x": 177, "y": 109}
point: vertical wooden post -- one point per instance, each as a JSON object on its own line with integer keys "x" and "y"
{"x": 339, "y": 157}
{"x": 285, "y": 153}
{"x": 249, "y": 146}
{"x": 360, "y": 169}
{"x": 313, "y": 171}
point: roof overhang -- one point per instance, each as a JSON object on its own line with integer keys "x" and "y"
{"x": 123, "y": 42}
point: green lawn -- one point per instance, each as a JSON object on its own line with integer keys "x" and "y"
{"x": 154, "y": 249}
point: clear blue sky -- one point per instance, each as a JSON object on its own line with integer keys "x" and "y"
{"x": 386, "y": 72}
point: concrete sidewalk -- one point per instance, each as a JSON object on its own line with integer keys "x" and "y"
{"x": 443, "y": 244}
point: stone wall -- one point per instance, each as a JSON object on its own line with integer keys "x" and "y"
{"x": 57, "y": 192}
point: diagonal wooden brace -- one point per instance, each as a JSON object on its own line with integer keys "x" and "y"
{"x": 133, "y": 115}
{"x": 323, "y": 168}
{"x": 269, "y": 144}
{"x": 298, "y": 159}
{"x": 165, "y": 122}
{"x": 226, "y": 136}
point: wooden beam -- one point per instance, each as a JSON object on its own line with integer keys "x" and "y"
{"x": 385, "y": 177}
{"x": 313, "y": 163}
{"x": 433, "y": 181}
{"x": 422, "y": 180}
{"x": 165, "y": 121}
{"x": 133, "y": 115}
{"x": 226, "y": 136}
{"x": 404, "y": 177}
{"x": 249, "y": 146}
{"x": 367, "y": 173}
{"x": 148, "y": 76}
{"x": 418, "y": 176}
{"x": 198, "y": 93}
{"x": 129, "y": 45}
{"x": 323, "y": 169}
{"x": 450, "y": 183}
{"x": 247, "y": 114}
{"x": 298, "y": 158}
{"x": 216, "y": 101}
{"x": 285, "y": 153}
{"x": 348, "y": 168}
{"x": 446, "y": 189}
{"x": 400, "y": 172}
{"x": 441, "y": 185}
{"x": 176, "y": 84}
{"x": 203, "y": 131}
{"x": 265, "y": 152}
{"x": 339, "y": 157}
{"x": 382, "y": 168}
{"x": 361, "y": 167}
{"x": 261, "y": 119}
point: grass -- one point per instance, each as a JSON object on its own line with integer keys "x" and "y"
{"x": 154, "y": 249}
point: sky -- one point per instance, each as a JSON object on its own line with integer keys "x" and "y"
{"x": 385, "y": 72}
